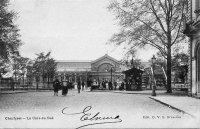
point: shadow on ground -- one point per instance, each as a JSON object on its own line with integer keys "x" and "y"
{"x": 146, "y": 92}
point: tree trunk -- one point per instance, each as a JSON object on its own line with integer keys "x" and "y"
{"x": 43, "y": 82}
{"x": 169, "y": 57}
{"x": 169, "y": 90}
{"x": 48, "y": 80}
{"x": 37, "y": 86}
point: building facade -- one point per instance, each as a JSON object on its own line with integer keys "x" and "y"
{"x": 192, "y": 30}
{"x": 102, "y": 69}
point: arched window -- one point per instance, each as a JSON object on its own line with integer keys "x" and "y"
{"x": 104, "y": 67}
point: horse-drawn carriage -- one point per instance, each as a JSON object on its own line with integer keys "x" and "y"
{"x": 94, "y": 86}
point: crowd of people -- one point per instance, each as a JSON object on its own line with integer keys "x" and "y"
{"x": 64, "y": 85}
{"x": 111, "y": 86}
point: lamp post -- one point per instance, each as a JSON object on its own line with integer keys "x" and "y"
{"x": 154, "y": 85}
{"x": 110, "y": 83}
{"x": 86, "y": 79}
{"x": 111, "y": 70}
{"x": 111, "y": 73}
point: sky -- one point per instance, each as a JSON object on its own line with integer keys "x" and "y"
{"x": 70, "y": 29}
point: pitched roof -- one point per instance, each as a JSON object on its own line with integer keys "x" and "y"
{"x": 74, "y": 61}
{"x": 105, "y": 56}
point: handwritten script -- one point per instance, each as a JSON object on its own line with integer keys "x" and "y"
{"x": 95, "y": 118}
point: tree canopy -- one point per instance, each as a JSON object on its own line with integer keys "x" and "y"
{"x": 149, "y": 22}
{"x": 9, "y": 36}
{"x": 44, "y": 66}
{"x": 156, "y": 23}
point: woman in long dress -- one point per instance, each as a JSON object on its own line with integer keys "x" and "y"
{"x": 65, "y": 87}
{"x": 79, "y": 86}
{"x": 56, "y": 85}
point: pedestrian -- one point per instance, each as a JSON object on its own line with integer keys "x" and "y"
{"x": 83, "y": 85}
{"x": 65, "y": 85}
{"x": 107, "y": 87}
{"x": 115, "y": 84}
{"x": 110, "y": 85}
{"x": 79, "y": 86}
{"x": 70, "y": 85}
{"x": 12, "y": 84}
{"x": 122, "y": 86}
{"x": 56, "y": 85}
{"x": 104, "y": 85}
{"x": 100, "y": 85}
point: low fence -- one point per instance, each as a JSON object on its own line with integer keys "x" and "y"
{"x": 9, "y": 84}
{"x": 180, "y": 86}
{"x": 149, "y": 87}
{"x": 174, "y": 86}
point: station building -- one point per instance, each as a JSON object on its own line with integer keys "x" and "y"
{"x": 192, "y": 30}
{"x": 102, "y": 69}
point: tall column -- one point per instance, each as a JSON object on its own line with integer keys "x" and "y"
{"x": 189, "y": 18}
{"x": 190, "y": 67}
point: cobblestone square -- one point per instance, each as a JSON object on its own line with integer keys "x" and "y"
{"x": 90, "y": 110}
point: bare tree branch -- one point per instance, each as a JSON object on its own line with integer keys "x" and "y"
{"x": 164, "y": 9}
{"x": 156, "y": 46}
{"x": 173, "y": 42}
{"x": 159, "y": 36}
{"x": 159, "y": 21}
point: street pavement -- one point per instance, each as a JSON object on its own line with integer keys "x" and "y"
{"x": 185, "y": 104}
{"x": 98, "y": 109}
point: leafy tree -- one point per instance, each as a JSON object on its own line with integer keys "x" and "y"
{"x": 19, "y": 66}
{"x": 180, "y": 66}
{"x": 180, "y": 59}
{"x": 5, "y": 67}
{"x": 44, "y": 67}
{"x": 23, "y": 66}
{"x": 9, "y": 37}
{"x": 37, "y": 71}
{"x": 16, "y": 66}
{"x": 131, "y": 52}
{"x": 160, "y": 60}
{"x": 155, "y": 23}
{"x": 40, "y": 64}
{"x": 130, "y": 59}
{"x": 29, "y": 73}
{"x": 2, "y": 68}
{"x": 136, "y": 63}
{"x": 50, "y": 69}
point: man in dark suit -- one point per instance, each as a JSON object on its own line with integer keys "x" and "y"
{"x": 56, "y": 85}
{"x": 79, "y": 86}
{"x": 110, "y": 85}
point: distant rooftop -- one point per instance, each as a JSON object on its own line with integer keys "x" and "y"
{"x": 74, "y": 61}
